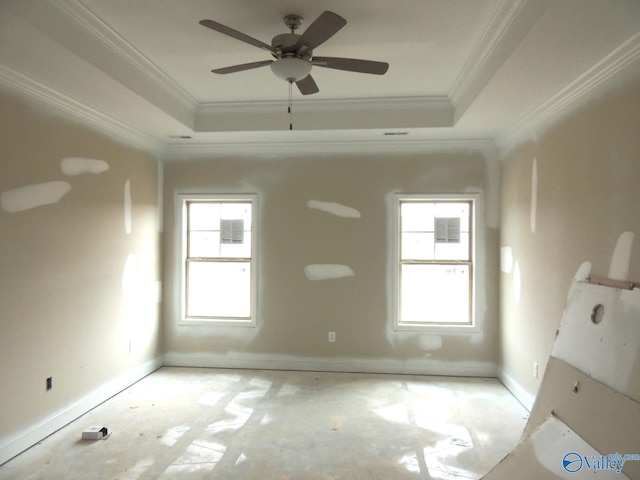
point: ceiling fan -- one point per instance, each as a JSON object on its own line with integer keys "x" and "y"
{"x": 293, "y": 53}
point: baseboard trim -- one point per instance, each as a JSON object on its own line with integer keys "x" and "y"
{"x": 351, "y": 365}
{"x": 523, "y": 396}
{"x": 26, "y": 439}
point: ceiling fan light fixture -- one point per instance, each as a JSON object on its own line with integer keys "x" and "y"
{"x": 291, "y": 69}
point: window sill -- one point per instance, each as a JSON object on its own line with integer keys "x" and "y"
{"x": 217, "y": 322}
{"x": 436, "y": 328}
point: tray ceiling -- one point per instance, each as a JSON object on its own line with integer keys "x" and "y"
{"x": 460, "y": 71}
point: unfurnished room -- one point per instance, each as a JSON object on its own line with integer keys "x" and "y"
{"x": 288, "y": 239}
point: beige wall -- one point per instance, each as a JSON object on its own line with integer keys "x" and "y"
{"x": 295, "y": 314}
{"x": 588, "y": 194}
{"x": 64, "y": 312}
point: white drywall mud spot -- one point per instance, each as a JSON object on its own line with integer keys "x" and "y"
{"x": 327, "y": 271}
{"x": 621, "y": 258}
{"x": 32, "y": 196}
{"x": 78, "y": 166}
{"x": 129, "y": 274}
{"x": 534, "y": 195}
{"x": 334, "y": 208}
{"x": 506, "y": 259}
{"x": 430, "y": 342}
{"x": 127, "y": 207}
{"x": 517, "y": 282}
{"x": 582, "y": 274}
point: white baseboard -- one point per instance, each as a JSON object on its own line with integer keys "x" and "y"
{"x": 11, "y": 447}
{"x": 351, "y": 365}
{"x": 523, "y": 396}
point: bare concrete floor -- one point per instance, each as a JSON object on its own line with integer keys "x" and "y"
{"x": 246, "y": 424}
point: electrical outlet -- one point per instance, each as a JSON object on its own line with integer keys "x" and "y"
{"x": 49, "y": 383}
{"x": 332, "y": 337}
{"x": 535, "y": 370}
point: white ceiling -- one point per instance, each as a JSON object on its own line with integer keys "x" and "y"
{"x": 460, "y": 70}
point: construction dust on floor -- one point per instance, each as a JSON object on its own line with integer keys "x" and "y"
{"x": 247, "y": 424}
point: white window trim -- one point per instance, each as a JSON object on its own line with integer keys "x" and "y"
{"x": 477, "y": 211}
{"x": 181, "y": 203}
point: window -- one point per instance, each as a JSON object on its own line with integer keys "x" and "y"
{"x": 219, "y": 259}
{"x": 435, "y": 262}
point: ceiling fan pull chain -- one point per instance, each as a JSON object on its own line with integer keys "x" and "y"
{"x": 289, "y": 109}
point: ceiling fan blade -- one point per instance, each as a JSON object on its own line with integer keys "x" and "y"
{"x": 321, "y": 30}
{"x": 307, "y": 85}
{"x": 218, "y": 27}
{"x": 242, "y": 67}
{"x": 351, "y": 65}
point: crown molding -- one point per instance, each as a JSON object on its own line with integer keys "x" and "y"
{"x": 486, "y": 46}
{"x": 572, "y": 94}
{"x": 510, "y": 23}
{"x": 117, "y": 58}
{"x": 90, "y": 23}
{"x": 187, "y": 151}
{"x": 116, "y": 129}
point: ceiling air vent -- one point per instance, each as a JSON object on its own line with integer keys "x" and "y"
{"x": 395, "y": 134}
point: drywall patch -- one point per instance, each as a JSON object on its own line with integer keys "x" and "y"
{"x": 621, "y": 258}
{"x": 32, "y": 196}
{"x": 582, "y": 274}
{"x": 534, "y": 195}
{"x": 334, "y": 208}
{"x": 556, "y": 447}
{"x": 78, "y": 166}
{"x": 129, "y": 274}
{"x": 554, "y": 450}
{"x": 604, "y": 348}
{"x": 327, "y": 271}
{"x": 517, "y": 282}
{"x": 127, "y": 207}
{"x": 506, "y": 259}
{"x": 430, "y": 342}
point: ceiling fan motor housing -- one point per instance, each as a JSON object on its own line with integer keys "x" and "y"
{"x": 292, "y": 59}
{"x": 286, "y": 45}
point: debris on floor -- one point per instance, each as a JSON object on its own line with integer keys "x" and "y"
{"x": 95, "y": 433}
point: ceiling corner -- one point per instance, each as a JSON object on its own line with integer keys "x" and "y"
{"x": 510, "y": 23}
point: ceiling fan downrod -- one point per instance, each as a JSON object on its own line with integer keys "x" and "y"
{"x": 293, "y": 22}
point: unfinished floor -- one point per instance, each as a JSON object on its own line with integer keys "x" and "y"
{"x": 247, "y": 424}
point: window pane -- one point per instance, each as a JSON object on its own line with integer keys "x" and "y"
{"x": 417, "y": 246}
{"x": 434, "y": 294}
{"x": 417, "y": 216}
{"x": 204, "y": 244}
{"x": 452, "y": 209}
{"x": 204, "y": 216}
{"x": 453, "y": 251}
{"x": 219, "y": 289}
{"x": 236, "y": 211}
{"x": 237, "y": 250}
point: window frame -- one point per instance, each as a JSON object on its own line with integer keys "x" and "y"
{"x": 440, "y": 327}
{"x": 226, "y": 321}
